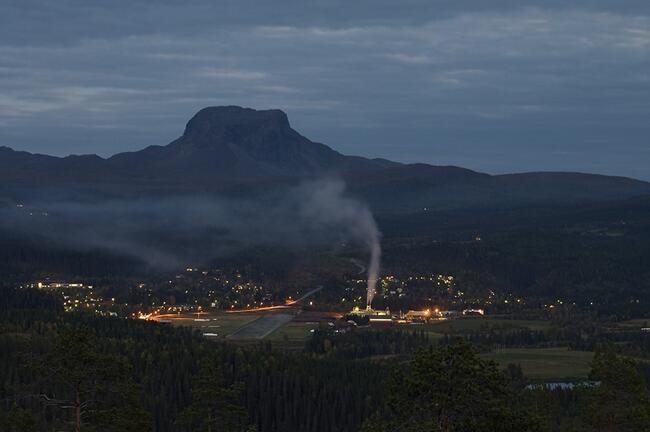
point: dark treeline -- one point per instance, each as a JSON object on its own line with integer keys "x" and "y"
{"x": 278, "y": 391}
{"x": 123, "y": 375}
{"x": 633, "y": 342}
{"x": 362, "y": 343}
{"x": 605, "y": 271}
{"x": 583, "y": 334}
{"x": 617, "y": 399}
{"x": 23, "y": 258}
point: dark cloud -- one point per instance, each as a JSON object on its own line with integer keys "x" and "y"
{"x": 496, "y": 86}
{"x": 65, "y": 21}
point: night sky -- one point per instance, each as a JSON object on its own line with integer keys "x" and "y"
{"x": 496, "y": 86}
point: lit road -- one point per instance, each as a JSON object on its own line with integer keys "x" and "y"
{"x": 286, "y": 305}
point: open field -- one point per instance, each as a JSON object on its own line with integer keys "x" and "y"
{"x": 261, "y": 327}
{"x": 274, "y": 326}
{"x": 471, "y": 324}
{"x": 634, "y": 323}
{"x": 283, "y": 330}
{"x": 296, "y": 332}
{"x": 220, "y": 323}
{"x": 545, "y": 363}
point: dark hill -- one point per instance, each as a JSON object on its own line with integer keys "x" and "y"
{"x": 420, "y": 186}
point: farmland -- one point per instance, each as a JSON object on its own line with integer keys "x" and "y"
{"x": 545, "y": 363}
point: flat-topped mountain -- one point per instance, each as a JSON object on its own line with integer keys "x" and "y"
{"x": 242, "y": 150}
{"x": 244, "y": 143}
{"x": 219, "y": 143}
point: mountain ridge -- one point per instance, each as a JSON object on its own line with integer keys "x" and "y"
{"x": 242, "y": 150}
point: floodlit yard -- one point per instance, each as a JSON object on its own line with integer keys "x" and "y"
{"x": 545, "y": 363}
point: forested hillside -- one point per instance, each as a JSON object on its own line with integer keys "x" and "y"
{"x": 63, "y": 371}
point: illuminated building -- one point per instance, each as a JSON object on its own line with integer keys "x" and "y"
{"x": 422, "y": 315}
{"x": 375, "y": 317}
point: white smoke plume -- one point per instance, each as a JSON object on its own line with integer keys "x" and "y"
{"x": 169, "y": 232}
{"x": 328, "y": 205}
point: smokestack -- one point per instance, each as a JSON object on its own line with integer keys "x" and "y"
{"x": 373, "y": 267}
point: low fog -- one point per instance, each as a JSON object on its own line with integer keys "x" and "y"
{"x": 175, "y": 231}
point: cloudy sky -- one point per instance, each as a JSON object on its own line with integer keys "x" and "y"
{"x": 497, "y": 86}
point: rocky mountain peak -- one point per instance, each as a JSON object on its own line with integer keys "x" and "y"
{"x": 232, "y": 124}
